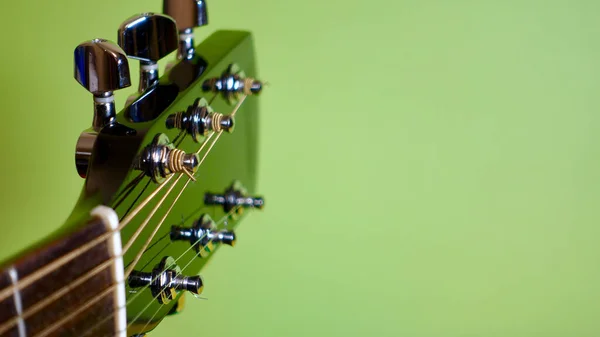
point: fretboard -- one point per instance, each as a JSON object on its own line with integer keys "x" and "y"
{"x": 50, "y": 291}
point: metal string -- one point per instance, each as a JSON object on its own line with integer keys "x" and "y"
{"x": 139, "y": 291}
{"x": 26, "y": 281}
{"x": 224, "y": 218}
{"x": 132, "y": 265}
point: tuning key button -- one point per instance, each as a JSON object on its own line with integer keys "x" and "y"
{"x": 101, "y": 67}
{"x": 203, "y": 235}
{"x": 165, "y": 281}
{"x": 148, "y": 37}
{"x": 234, "y": 199}
{"x": 199, "y": 119}
{"x": 161, "y": 159}
{"x": 232, "y": 83}
{"x": 188, "y": 14}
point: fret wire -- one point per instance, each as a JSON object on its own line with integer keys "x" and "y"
{"x": 43, "y": 271}
{"x": 14, "y": 278}
{"x": 40, "y": 305}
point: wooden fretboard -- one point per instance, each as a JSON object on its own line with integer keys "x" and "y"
{"x": 37, "y": 310}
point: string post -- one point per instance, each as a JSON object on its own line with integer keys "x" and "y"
{"x": 165, "y": 281}
{"x": 160, "y": 159}
{"x": 235, "y": 197}
{"x": 233, "y": 83}
{"x": 203, "y": 235}
{"x": 199, "y": 120}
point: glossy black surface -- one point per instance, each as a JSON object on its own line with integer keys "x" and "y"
{"x": 152, "y": 103}
{"x": 148, "y": 36}
{"x": 184, "y": 73}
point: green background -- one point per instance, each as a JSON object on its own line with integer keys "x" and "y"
{"x": 430, "y": 167}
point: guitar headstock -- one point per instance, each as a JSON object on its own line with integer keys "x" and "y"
{"x": 178, "y": 163}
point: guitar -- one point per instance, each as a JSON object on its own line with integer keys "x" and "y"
{"x": 167, "y": 180}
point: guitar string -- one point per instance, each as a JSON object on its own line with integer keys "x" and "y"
{"x": 239, "y": 104}
{"x": 157, "y": 227}
{"x": 159, "y": 240}
{"x": 28, "y": 280}
{"x": 35, "y": 276}
{"x": 223, "y": 219}
{"x": 140, "y": 290}
{"x": 128, "y": 189}
{"x": 86, "y": 305}
{"x": 135, "y": 200}
{"x": 65, "y": 289}
{"x": 63, "y": 260}
{"x": 43, "y": 271}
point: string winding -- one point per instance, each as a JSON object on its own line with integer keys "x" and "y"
{"x": 40, "y": 273}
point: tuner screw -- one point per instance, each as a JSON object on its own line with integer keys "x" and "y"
{"x": 202, "y": 235}
{"x": 232, "y": 83}
{"x": 235, "y": 197}
{"x": 199, "y": 119}
{"x": 165, "y": 280}
{"x": 161, "y": 159}
{"x": 101, "y": 67}
{"x": 188, "y": 14}
{"x": 148, "y": 37}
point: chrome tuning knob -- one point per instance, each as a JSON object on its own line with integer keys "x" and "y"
{"x": 188, "y": 14}
{"x": 101, "y": 67}
{"x": 165, "y": 281}
{"x": 161, "y": 159}
{"x": 203, "y": 235}
{"x": 235, "y": 199}
{"x": 233, "y": 83}
{"x": 199, "y": 119}
{"x": 148, "y": 37}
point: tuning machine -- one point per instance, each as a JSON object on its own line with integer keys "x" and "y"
{"x": 203, "y": 235}
{"x": 148, "y": 37}
{"x": 165, "y": 281}
{"x": 188, "y": 14}
{"x": 199, "y": 119}
{"x": 232, "y": 83}
{"x": 235, "y": 199}
{"x": 101, "y": 67}
{"x": 161, "y": 159}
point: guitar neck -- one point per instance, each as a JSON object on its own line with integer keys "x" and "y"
{"x": 64, "y": 286}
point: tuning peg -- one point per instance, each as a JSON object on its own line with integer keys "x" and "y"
{"x": 232, "y": 83}
{"x": 165, "y": 280}
{"x": 236, "y": 197}
{"x": 188, "y": 14}
{"x": 203, "y": 235}
{"x": 148, "y": 37}
{"x": 199, "y": 119}
{"x": 101, "y": 67}
{"x": 161, "y": 159}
